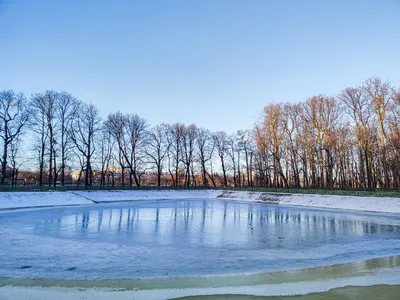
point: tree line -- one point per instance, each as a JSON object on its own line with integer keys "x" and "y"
{"x": 348, "y": 141}
{"x": 351, "y": 140}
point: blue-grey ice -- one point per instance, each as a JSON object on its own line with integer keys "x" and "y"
{"x": 186, "y": 238}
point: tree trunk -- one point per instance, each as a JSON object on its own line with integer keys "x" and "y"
{"x": 62, "y": 160}
{"x": 159, "y": 175}
{"x": 224, "y": 171}
{"x": 51, "y": 156}
{"x": 5, "y": 148}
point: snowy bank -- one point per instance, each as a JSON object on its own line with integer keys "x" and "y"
{"x": 38, "y": 199}
{"x": 373, "y": 204}
{"x": 111, "y": 196}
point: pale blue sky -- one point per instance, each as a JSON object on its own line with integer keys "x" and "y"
{"x": 215, "y": 63}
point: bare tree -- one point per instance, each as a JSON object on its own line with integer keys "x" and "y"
{"x": 188, "y": 140}
{"x": 106, "y": 145}
{"x": 357, "y": 104}
{"x": 45, "y": 122}
{"x": 134, "y": 142}
{"x": 158, "y": 147}
{"x": 115, "y": 124}
{"x": 119, "y": 157}
{"x": 175, "y": 153}
{"x": 205, "y": 145}
{"x": 272, "y": 130}
{"x": 50, "y": 99}
{"x": 38, "y": 123}
{"x": 14, "y": 114}
{"x": 221, "y": 144}
{"x": 233, "y": 149}
{"x": 381, "y": 94}
{"x": 129, "y": 132}
{"x": 393, "y": 143}
{"x": 16, "y": 159}
{"x": 291, "y": 124}
{"x": 244, "y": 140}
{"x": 85, "y": 125}
{"x": 65, "y": 106}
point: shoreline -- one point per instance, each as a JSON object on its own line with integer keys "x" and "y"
{"x": 362, "y": 273}
{"x": 361, "y": 267}
{"x": 14, "y": 201}
{"x": 386, "y": 277}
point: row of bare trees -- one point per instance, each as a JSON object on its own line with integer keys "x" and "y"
{"x": 63, "y": 134}
{"x": 348, "y": 141}
{"x": 64, "y": 130}
{"x": 177, "y": 153}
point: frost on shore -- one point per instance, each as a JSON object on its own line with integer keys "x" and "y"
{"x": 10, "y": 200}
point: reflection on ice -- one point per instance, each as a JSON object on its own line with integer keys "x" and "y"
{"x": 187, "y": 237}
{"x": 217, "y": 223}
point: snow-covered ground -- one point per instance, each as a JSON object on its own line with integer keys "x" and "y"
{"x": 372, "y": 204}
{"x": 111, "y": 196}
{"x": 39, "y": 199}
{"x": 9, "y": 200}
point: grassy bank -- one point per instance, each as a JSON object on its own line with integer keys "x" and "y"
{"x": 384, "y": 292}
{"x": 377, "y": 193}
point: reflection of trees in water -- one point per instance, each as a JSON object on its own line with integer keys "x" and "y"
{"x": 208, "y": 216}
{"x": 85, "y": 220}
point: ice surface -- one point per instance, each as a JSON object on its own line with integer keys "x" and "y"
{"x": 185, "y": 238}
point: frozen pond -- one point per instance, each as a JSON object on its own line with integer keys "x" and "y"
{"x": 186, "y": 238}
